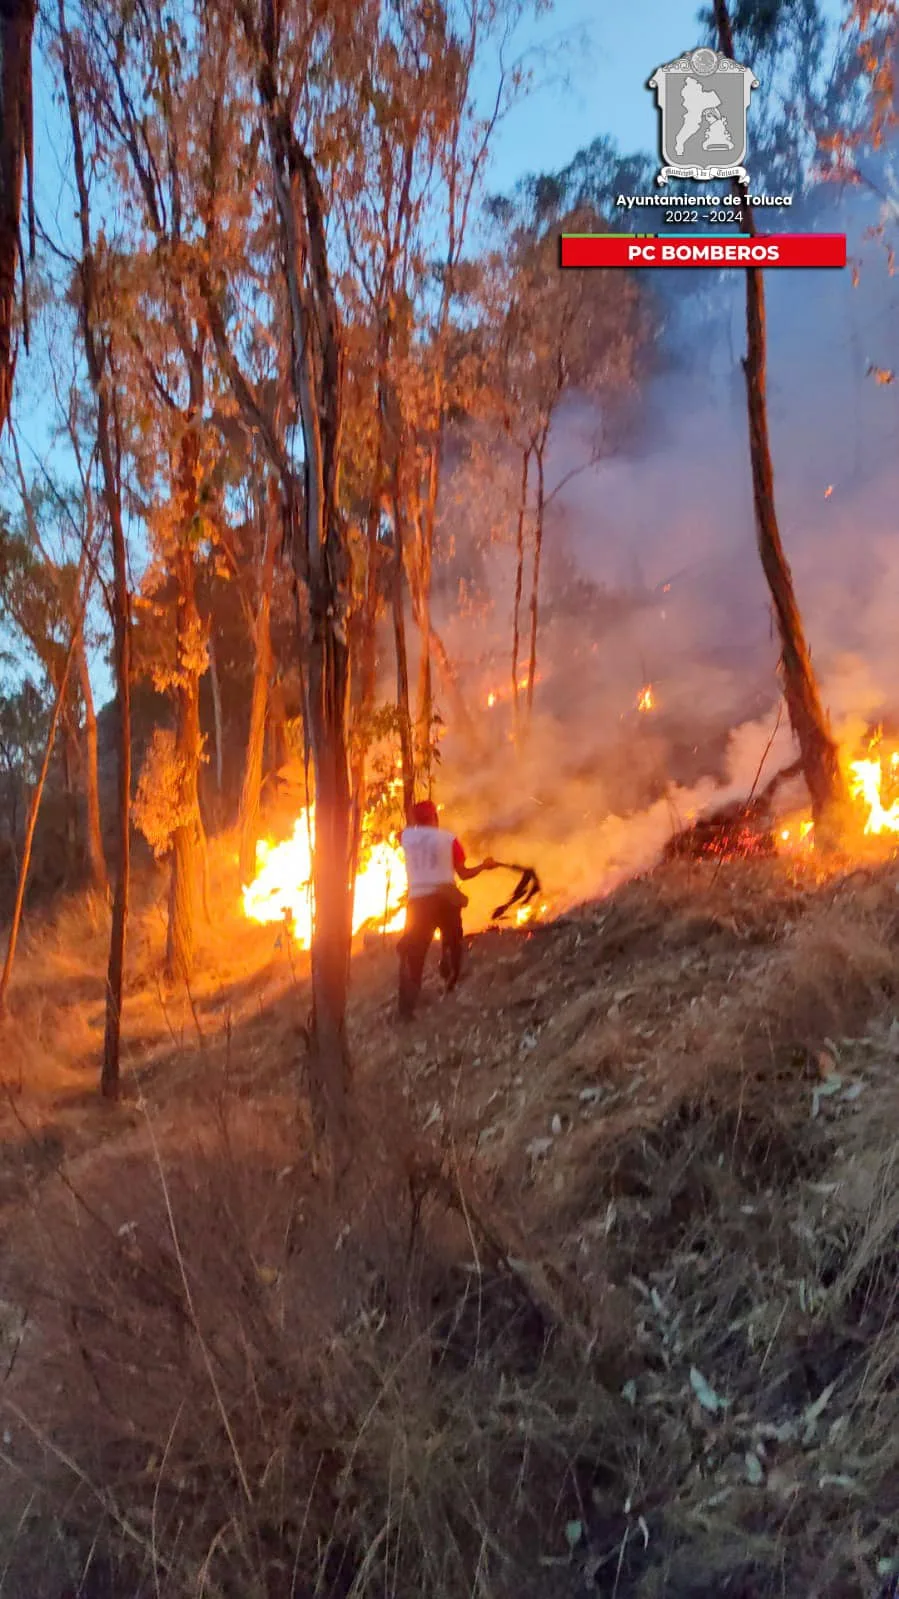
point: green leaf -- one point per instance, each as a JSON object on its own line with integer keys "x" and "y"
{"x": 812, "y": 1413}
{"x": 706, "y": 1395}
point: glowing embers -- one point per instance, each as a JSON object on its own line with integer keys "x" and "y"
{"x": 738, "y": 831}
{"x": 529, "y": 913}
{"x": 497, "y": 696}
{"x": 797, "y": 836}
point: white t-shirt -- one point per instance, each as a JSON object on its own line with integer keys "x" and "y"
{"x": 429, "y": 859}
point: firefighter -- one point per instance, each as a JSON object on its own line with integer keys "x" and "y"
{"x": 434, "y": 859}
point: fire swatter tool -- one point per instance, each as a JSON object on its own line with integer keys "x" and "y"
{"x": 526, "y": 889}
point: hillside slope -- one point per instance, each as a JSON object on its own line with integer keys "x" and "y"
{"x": 608, "y": 1306}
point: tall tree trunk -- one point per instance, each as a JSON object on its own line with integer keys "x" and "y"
{"x": 70, "y": 799}
{"x": 33, "y": 810}
{"x": 279, "y": 750}
{"x": 535, "y": 577}
{"x": 410, "y": 576}
{"x": 404, "y": 715}
{"x": 328, "y": 685}
{"x": 519, "y": 584}
{"x": 16, "y": 29}
{"x": 13, "y": 813}
{"x": 321, "y": 562}
{"x": 96, "y": 857}
{"x": 366, "y": 654}
{"x": 425, "y": 701}
{"x": 217, "y": 731}
{"x": 251, "y": 792}
{"x": 97, "y": 357}
{"x": 808, "y": 719}
{"x": 187, "y": 843}
{"x": 188, "y": 840}
{"x": 424, "y": 714}
{"x": 419, "y": 580}
{"x": 115, "y": 973}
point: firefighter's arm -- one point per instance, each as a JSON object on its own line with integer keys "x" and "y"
{"x": 466, "y": 872}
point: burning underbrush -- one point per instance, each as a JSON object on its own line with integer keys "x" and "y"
{"x": 282, "y": 888}
{"x": 772, "y": 820}
{"x": 609, "y": 1304}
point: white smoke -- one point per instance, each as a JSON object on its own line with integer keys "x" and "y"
{"x": 599, "y": 787}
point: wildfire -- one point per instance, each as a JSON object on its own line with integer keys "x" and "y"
{"x": 878, "y": 812}
{"x": 494, "y": 696}
{"x": 866, "y": 784}
{"x": 282, "y": 887}
{"x": 646, "y": 699}
{"x": 528, "y": 913}
{"x": 800, "y": 836}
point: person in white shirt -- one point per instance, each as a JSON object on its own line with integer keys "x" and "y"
{"x": 434, "y": 859}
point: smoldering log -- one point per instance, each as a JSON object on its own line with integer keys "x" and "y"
{"x": 744, "y": 828}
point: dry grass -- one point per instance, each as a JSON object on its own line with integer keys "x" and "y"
{"x": 57, "y": 999}
{"x": 635, "y": 1334}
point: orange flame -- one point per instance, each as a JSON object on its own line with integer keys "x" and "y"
{"x": 877, "y": 814}
{"x": 282, "y": 887}
{"x": 866, "y": 784}
{"x": 494, "y": 695}
{"x": 646, "y": 699}
{"x": 528, "y": 913}
{"x": 801, "y": 836}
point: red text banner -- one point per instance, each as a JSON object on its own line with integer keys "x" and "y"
{"x": 703, "y": 250}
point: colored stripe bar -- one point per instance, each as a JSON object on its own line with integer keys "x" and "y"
{"x": 715, "y": 250}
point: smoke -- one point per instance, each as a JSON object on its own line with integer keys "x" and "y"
{"x": 664, "y": 531}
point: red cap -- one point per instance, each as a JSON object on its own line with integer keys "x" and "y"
{"x": 424, "y": 814}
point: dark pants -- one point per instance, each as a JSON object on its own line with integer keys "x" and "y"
{"x": 431, "y": 914}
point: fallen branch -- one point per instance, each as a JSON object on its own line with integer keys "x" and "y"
{"x": 743, "y": 828}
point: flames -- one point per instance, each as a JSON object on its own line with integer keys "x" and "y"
{"x": 646, "y": 700}
{"x": 281, "y": 891}
{"x": 866, "y": 784}
{"x": 496, "y": 696}
{"x": 873, "y": 782}
{"x": 529, "y": 913}
{"x": 797, "y": 835}
{"x": 282, "y": 888}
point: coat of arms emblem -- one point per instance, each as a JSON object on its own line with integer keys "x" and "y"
{"x": 703, "y": 97}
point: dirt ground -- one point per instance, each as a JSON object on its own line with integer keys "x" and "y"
{"x": 607, "y": 1307}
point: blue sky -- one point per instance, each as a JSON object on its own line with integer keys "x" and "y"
{"x": 607, "y": 49}
{"x": 602, "y": 52}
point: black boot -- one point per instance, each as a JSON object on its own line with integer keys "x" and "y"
{"x": 406, "y": 996}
